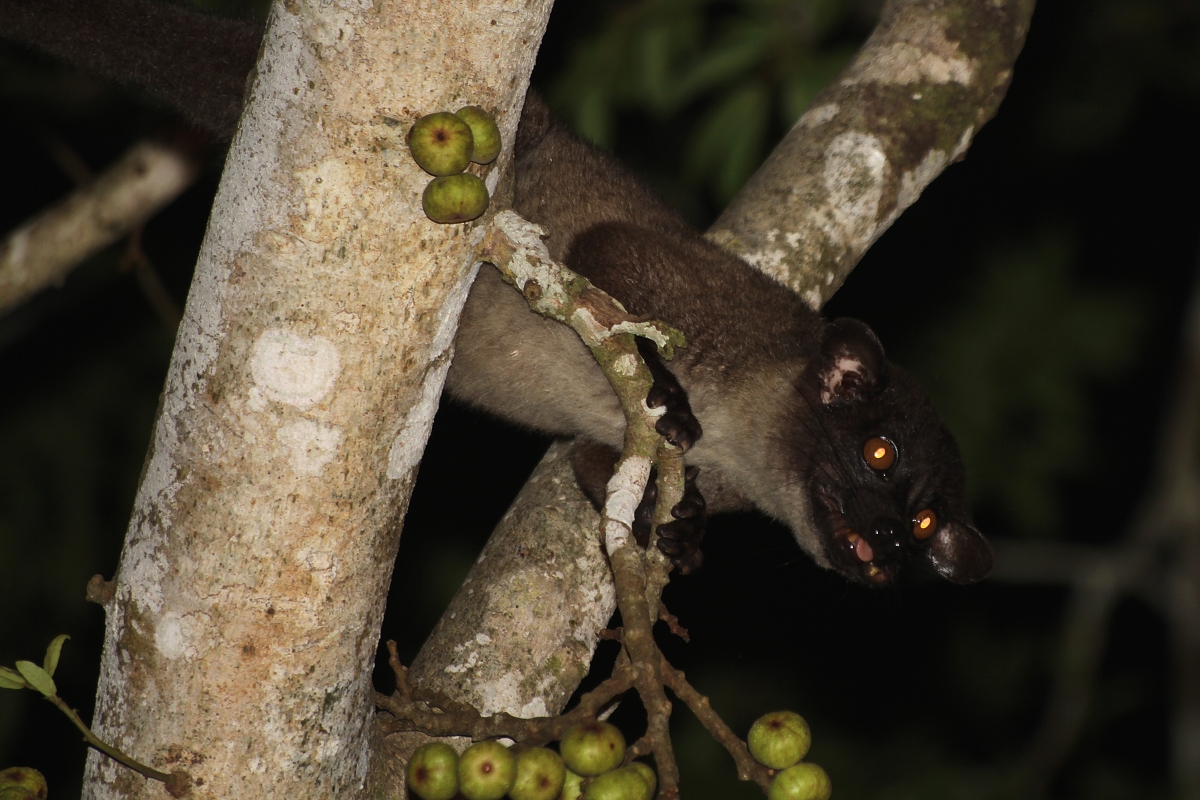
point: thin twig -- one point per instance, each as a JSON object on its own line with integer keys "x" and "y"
{"x": 177, "y": 783}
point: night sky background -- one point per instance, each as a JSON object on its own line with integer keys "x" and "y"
{"x": 1037, "y": 290}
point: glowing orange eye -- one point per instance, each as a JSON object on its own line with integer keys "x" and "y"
{"x": 879, "y": 453}
{"x": 924, "y": 524}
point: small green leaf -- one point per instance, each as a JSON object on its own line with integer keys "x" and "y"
{"x": 37, "y": 677}
{"x": 11, "y": 679}
{"x": 50, "y": 663}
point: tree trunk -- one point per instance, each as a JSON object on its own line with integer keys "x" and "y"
{"x": 314, "y": 344}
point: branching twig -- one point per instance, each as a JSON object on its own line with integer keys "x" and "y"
{"x": 44, "y": 249}
{"x": 748, "y": 768}
{"x": 438, "y": 715}
{"x": 514, "y": 247}
{"x": 1168, "y": 522}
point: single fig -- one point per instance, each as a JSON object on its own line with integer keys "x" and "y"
{"x": 455, "y": 198}
{"x": 618, "y": 784}
{"x": 801, "y": 782}
{"x": 779, "y": 739}
{"x": 486, "y": 771}
{"x": 433, "y": 771}
{"x": 540, "y": 775}
{"x": 22, "y": 783}
{"x": 484, "y": 132}
{"x": 572, "y": 786}
{"x": 441, "y": 143}
{"x": 648, "y": 776}
{"x": 592, "y": 748}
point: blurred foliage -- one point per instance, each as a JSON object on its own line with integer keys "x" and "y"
{"x": 1011, "y": 369}
{"x": 737, "y": 68}
{"x": 1119, "y": 53}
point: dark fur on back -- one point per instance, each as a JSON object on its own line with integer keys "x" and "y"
{"x": 569, "y": 186}
{"x": 193, "y": 62}
{"x": 734, "y": 317}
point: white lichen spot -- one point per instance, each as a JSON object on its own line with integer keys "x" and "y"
{"x": 297, "y": 370}
{"x": 813, "y": 298}
{"x": 469, "y": 664}
{"x": 534, "y": 708}
{"x": 175, "y": 636}
{"x": 935, "y": 59}
{"x": 591, "y": 331}
{"x": 483, "y": 638}
{"x": 310, "y": 445}
{"x": 855, "y": 166}
{"x": 793, "y": 239}
{"x": 817, "y": 116}
{"x": 625, "y": 365}
{"x": 410, "y": 442}
{"x": 624, "y": 494}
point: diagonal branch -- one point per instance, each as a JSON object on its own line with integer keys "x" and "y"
{"x": 41, "y": 252}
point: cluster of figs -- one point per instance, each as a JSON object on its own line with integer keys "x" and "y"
{"x": 588, "y": 765}
{"x": 444, "y": 145}
{"x": 778, "y": 741}
{"x": 488, "y": 770}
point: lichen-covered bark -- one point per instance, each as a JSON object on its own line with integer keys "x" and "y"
{"x": 317, "y": 334}
{"x": 520, "y": 633}
{"x": 909, "y": 104}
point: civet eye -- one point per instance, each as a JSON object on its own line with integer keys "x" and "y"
{"x": 879, "y": 453}
{"x": 924, "y": 524}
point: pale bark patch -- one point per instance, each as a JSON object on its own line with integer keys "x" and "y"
{"x": 310, "y": 445}
{"x": 855, "y": 168}
{"x": 293, "y": 369}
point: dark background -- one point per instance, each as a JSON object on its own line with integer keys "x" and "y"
{"x": 1037, "y": 289}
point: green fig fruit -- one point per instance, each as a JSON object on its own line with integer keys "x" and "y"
{"x": 455, "y": 198}
{"x": 433, "y": 771}
{"x": 486, "y": 771}
{"x": 441, "y": 143}
{"x": 779, "y": 739}
{"x": 540, "y": 775}
{"x": 618, "y": 784}
{"x": 801, "y": 782}
{"x": 572, "y": 786}
{"x": 22, "y": 783}
{"x": 648, "y": 776}
{"x": 484, "y": 132}
{"x": 592, "y": 748}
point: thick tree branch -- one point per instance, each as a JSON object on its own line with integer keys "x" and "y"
{"x": 908, "y": 105}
